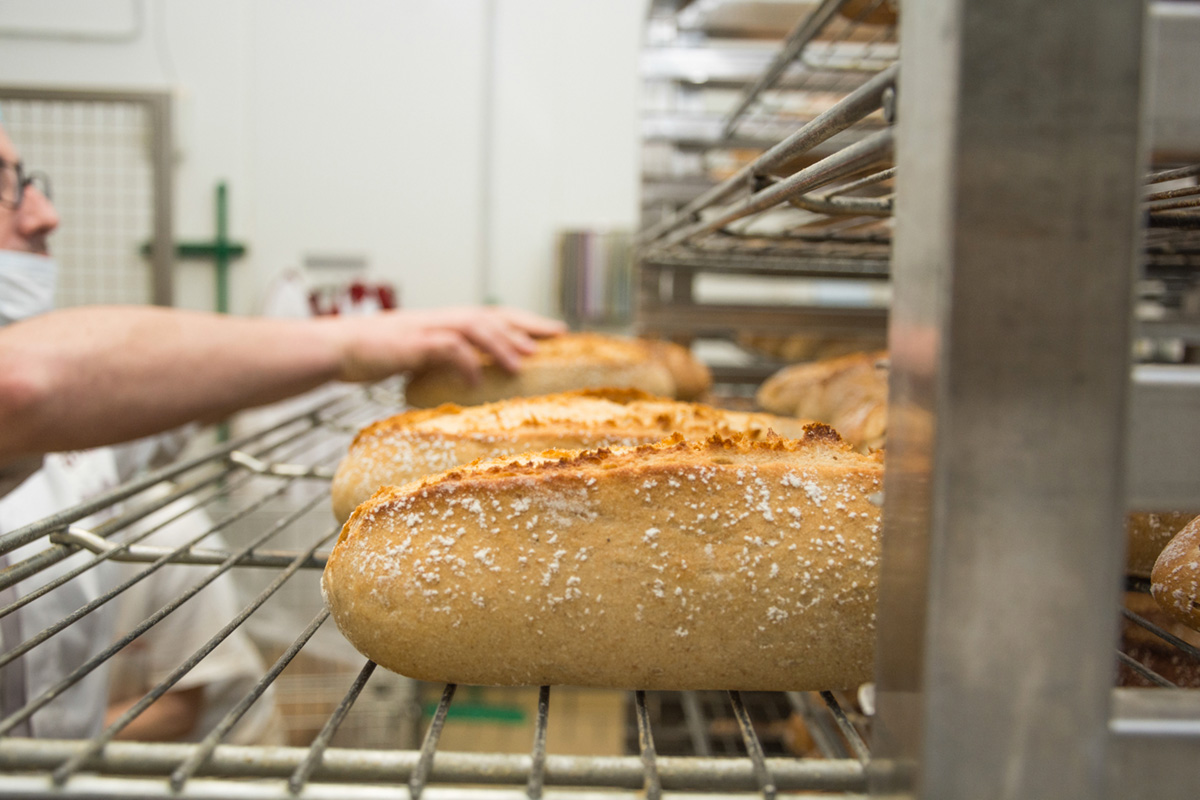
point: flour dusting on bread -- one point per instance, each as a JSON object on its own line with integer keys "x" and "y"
{"x": 724, "y": 563}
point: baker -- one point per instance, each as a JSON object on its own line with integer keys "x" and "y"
{"x": 85, "y": 377}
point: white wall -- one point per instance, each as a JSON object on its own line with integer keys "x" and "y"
{"x": 357, "y": 127}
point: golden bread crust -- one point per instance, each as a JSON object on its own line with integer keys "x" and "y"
{"x": 560, "y": 363}
{"x": 721, "y": 564}
{"x": 1175, "y": 581}
{"x": 1147, "y": 533}
{"x": 416, "y": 443}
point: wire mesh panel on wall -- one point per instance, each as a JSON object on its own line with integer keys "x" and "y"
{"x": 106, "y": 156}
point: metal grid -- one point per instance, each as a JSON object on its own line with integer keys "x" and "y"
{"x": 726, "y": 746}
{"x": 818, "y": 207}
{"x": 1173, "y": 222}
{"x": 857, "y": 175}
{"x": 814, "y": 206}
{"x": 236, "y": 481}
{"x": 106, "y": 155}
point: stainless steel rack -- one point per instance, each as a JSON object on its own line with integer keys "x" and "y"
{"x": 1019, "y": 432}
{"x": 814, "y": 205}
{"x": 805, "y": 211}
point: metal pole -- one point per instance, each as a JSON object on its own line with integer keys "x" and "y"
{"x": 1019, "y": 168}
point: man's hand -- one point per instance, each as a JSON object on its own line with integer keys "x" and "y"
{"x": 375, "y": 347}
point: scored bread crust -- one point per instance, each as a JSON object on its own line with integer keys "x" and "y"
{"x": 721, "y": 564}
{"x": 560, "y": 363}
{"x": 1175, "y": 581}
{"x": 411, "y": 445}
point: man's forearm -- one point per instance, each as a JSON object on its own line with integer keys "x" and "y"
{"x": 92, "y": 376}
{"x": 98, "y": 375}
{"x": 171, "y": 717}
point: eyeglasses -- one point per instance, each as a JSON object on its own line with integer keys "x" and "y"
{"x": 14, "y": 180}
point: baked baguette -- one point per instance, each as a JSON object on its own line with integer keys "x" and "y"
{"x": 849, "y": 393}
{"x": 1147, "y": 533}
{"x": 560, "y": 363}
{"x": 1175, "y": 581}
{"x": 797, "y": 347}
{"x": 721, "y": 564}
{"x": 414, "y": 444}
{"x": 692, "y": 376}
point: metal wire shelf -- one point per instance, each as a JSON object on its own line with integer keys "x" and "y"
{"x": 816, "y": 205}
{"x": 851, "y": 189}
{"x": 243, "y": 477}
{"x": 103, "y": 767}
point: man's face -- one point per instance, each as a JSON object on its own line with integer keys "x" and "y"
{"x": 25, "y": 228}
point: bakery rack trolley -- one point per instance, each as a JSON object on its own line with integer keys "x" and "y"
{"x": 294, "y": 458}
{"x": 1044, "y": 161}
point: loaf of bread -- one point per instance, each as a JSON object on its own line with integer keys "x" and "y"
{"x": 849, "y": 393}
{"x": 562, "y": 363}
{"x": 692, "y": 376}
{"x": 1175, "y": 581}
{"x": 414, "y": 444}
{"x": 871, "y": 12}
{"x": 718, "y": 564}
{"x": 1147, "y": 534}
{"x": 797, "y": 347}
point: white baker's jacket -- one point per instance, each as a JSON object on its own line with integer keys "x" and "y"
{"x": 65, "y": 480}
{"x": 226, "y": 674}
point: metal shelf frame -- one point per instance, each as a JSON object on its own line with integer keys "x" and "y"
{"x": 1020, "y": 432}
{"x": 1013, "y": 427}
{"x": 834, "y": 171}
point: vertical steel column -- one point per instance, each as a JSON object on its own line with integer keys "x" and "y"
{"x": 1018, "y": 167}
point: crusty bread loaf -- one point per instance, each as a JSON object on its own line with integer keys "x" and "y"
{"x": 1147, "y": 534}
{"x": 797, "y": 347}
{"x": 722, "y": 564}
{"x": 692, "y": 376}
{"x": 561, "y": 363}
{"x": 870, "y": 12}
{"x": 416, "y": 443}
{"x": 1175, "y": 581}
{"x": 849, "y": 393}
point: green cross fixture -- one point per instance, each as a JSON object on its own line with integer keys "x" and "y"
{"x": 221, "y": 249}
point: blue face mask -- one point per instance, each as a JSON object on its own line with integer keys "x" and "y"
{"x": 27, "y": 283}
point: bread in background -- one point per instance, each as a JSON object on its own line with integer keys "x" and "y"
{"x": 692, "y": 377}
{"x": 798, "y": 347}
{"x": 1175, "y": 580}
{"x": 1147, "y": 534}
{"x": 849, "y": 393}
{"x": 560, "y": 364}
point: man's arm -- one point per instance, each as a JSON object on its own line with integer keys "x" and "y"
{"x": 172, "y": 717}
{"x": 92, "y": 376}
